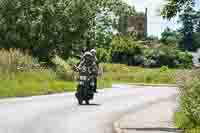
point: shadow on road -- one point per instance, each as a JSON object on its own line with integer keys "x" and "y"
{"x": 155, "y": 129}
{"x": 92, "y": 104}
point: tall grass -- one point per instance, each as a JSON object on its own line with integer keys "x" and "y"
{"x": 64, "y": 70}
{"x": 21, "y": 75}
{"x": 122, "y": 73}
{"x": 188, "y": 115}
{"x": 14, "y": 60}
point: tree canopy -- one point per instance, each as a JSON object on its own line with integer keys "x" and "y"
{"x": 189, "y": 30}
{"x": 169, "y": 37}
{"x": 172, "y": 7}
{"x": 61, "y": 24}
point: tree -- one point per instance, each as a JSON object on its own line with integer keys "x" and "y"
{"x": 152, "y": 38}
{"x": 168, "y": 37}
{"x": 198, "y": 21}
{"x": 62, "y": 24}
{"x": 196, "y": 38}
{"x": 187, "y": 18}
{"x": 172, "y": 7}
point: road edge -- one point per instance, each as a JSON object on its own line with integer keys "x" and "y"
{"x": 146, "y": 84}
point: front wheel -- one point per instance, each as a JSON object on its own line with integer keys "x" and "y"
{"x": 80, "y": 102}
{"x": 87, "y": 102}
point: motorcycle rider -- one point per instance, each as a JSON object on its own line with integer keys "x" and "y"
{"x": 93, "y": 51}
{"x": 87, "y": 66}
{"x": 87, "y": 61}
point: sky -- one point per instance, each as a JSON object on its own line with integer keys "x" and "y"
{"x": 156, "y": 24}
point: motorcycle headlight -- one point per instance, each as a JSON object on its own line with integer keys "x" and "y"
{"x": 81, "y": 82}
{"x": 83, "y": 77}
{"x": 92, "y": 83}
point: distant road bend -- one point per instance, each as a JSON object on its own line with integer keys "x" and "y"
{"x": 60, "y": 113}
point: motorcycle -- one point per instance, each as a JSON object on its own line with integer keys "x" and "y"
{"x": 85, "y": 87}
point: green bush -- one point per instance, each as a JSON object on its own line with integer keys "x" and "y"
{"x": 124, "y": 49}
{"x": 167, "y": 56}
{"x": 190, "y": 101}
{"x": 127, "y": 74}
{"x": 182, "y": 121}
{"x": 72, "y": 61}
{"x": 64, "y": 68}
{"x": 188, "y": 113}
{"x": 185, "y": 60}
{"x": 103, "y": 55}
{"x": 164, "y": 69}
{"x": 127, "y": 50}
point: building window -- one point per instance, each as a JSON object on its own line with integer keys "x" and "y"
{"x": 140, "y": 26}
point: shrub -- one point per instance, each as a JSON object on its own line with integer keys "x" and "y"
{"x": 103, "y": 55}
{"x": 72, "y": 61}
{"x": 164, "y": 69}
{"x": 167, "y": 56}
{"x": 64, "y": 68}
{"x": 185, "y": 60}
{"x": 190, "y": 101}
{"x": 124, "y": 49}
{"x": 127, "y": 50}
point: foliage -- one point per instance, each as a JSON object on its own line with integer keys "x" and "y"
{"x": 196, "y": 40}
{"x": 164, "y": 68}
{"x": 72, "y": 61}
{"x": 172, "y": 7}
{"x": 21, "y": 75}
{"x": 123, "y": 50}
{"x": 127, "y": 50}
{"x": 190, "y": 101}
{"x": 181, "y": 120}
{"x": 103, "y": 55}
{"x": 168, "y": 37}
{"x": 187, "y": 117}
{"x": 37, "y": 82}
{"x": 188, "y": 19}
{"x": 51, "y": 24}
{"x": 120, "y": 73}
{"x": 152, "y": 38}
{"x": 167, "y": 56}
{"x": 13, "y": 60}
{"x": 63, "y": 68}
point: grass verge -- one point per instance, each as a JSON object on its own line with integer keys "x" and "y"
{"x": 118, "y": 73}
{"x": 46, "y": 81}
{"x": 181, "y": 121}
{"x": 33, "y": 82}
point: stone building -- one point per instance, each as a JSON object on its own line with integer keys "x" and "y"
{"x": 136, "y": 24}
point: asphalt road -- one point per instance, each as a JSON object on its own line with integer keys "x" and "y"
{"x": 60, "y": 113}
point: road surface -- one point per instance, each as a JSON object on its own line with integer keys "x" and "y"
{"x": 60, "y": 113}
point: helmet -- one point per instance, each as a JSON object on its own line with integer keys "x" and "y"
{"x": 93, "y": 51}
{"x": 87, "y": 55}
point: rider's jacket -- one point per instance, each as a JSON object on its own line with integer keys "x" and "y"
{"x": 88, "y": 67}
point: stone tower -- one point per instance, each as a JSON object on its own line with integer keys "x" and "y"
{"x": 135, "y": 24}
